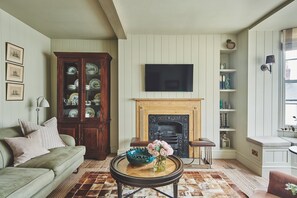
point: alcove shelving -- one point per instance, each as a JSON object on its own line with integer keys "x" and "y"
{"x": 227, "y": 108}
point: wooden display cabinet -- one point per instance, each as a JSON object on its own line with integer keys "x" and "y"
{"x": 83, "y": 103}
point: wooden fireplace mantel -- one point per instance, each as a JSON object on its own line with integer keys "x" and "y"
{"x": 172, "y": 106}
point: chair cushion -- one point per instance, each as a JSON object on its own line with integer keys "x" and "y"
{"x": 23, "y": 182}
{"x": 25, "y": 148}
{"x": 58, "y": 160}
{"x": 49, "y": 132}
{"x": 263, "y": 194}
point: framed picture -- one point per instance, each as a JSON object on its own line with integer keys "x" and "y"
{"x": 14, "y": 92}
{"x": 14, "y": 72}
{"x": 14, "y": 53}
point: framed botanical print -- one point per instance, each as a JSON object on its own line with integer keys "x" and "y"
{"x": 14, "y": 92}
{"x": 14, "y": 72}
{"x": 14, "y": 53}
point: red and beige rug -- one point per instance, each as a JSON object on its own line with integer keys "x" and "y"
{"x": 192, "y": 184}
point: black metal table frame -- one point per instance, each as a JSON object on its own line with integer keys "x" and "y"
{"x": 142, "y": 182}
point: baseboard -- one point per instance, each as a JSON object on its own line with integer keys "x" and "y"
{"x": 113, "y": 149}
{"x": 224, "y": 154}
{"x": 249, "y": 163}
{"x": 122, "y": 150}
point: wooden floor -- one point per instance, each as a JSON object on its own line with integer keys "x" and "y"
{"x": 238, "y": 173}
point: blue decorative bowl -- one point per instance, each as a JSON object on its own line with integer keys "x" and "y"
{"x": 139, "y": 156}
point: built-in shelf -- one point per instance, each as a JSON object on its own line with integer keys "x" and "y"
{"x": 227, "y": 90}
{"x": 227, "y": 70}
{"x": 227, "y": 110}
{"x": 227, "y": 51}
{"x": 227, "y": 129}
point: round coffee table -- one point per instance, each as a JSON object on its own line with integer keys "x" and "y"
{"x": 144, "y": 176}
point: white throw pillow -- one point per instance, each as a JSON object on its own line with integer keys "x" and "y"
{"x": 49, "y": 132}
{"x": 26, "y": 148}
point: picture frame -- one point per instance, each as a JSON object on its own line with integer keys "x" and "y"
{"x": 14, "y": 53}
{"x": 14, "y": 92}
{"x": 14, "y": 72}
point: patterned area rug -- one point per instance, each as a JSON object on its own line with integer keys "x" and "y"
{"x": 192, "y": 184}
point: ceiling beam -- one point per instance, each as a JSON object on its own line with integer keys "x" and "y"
{"x": 113, "y": 18}
{"x": 281, "y": 6}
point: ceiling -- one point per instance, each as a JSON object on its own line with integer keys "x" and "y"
{"x": 93, "y": 19}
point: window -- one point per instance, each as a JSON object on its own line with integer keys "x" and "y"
{"x": 290, "y": 76}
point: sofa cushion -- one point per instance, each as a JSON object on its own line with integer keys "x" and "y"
{"x": 23, "y": 182}
{"x": 25, "y": 148}
{"x": 6, "y": 155}
{"x": 49, "y": 132}
{"x": 58, "y": 160}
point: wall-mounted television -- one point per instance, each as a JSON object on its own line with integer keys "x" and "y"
{"x": 169, "y": 77}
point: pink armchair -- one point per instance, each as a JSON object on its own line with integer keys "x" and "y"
{"x": 276, "y": 186}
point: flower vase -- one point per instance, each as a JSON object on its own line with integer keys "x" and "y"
{"x": 160, "y": 164}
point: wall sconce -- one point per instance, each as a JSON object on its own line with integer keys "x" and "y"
{"x": 269, "y": 61}
{"x": 41, "y": 102}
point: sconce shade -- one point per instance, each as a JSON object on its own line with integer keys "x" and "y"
{"x": 43, "y": 103}
{"x": 270, "y": 59}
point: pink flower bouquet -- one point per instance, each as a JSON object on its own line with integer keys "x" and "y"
{"x": 159, "y": 148}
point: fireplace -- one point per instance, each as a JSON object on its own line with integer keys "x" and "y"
{"x": 174, "y": 129}
{"x": 177, "y": 121}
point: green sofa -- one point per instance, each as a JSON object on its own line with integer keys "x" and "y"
{"x": 39, "y": 176}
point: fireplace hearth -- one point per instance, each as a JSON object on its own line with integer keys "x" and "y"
{"x": 174, "y": 129}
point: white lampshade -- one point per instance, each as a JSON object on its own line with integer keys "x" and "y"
{"x": 43, "y": 103}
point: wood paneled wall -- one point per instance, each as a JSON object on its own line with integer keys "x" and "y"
{"x": 263, "y": 87}
{"x": 201, "y": 50}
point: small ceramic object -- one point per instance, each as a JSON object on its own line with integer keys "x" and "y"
{"x": 230, "y": 44}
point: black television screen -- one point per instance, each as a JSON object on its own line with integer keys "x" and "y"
{"x": 169, "y": 77}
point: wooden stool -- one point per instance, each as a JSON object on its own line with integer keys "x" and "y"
{"x": 207, "y": 144}
{"x": 135, "y": 142}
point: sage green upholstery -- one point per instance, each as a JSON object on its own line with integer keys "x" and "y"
{"x": 39, "y": 176}
{"x": 30, "y": 182}
{"x": 68, "y": 140}
{"x": 58, "y": 160}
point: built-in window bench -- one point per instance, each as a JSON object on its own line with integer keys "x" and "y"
{"x": 271, "y": 153}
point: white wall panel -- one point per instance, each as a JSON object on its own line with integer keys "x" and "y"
{"x": 36, "y": 70}
{"x": 201, "y": 50}
{"x": 263, "y": 86}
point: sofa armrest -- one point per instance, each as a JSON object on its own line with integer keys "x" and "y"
{"x": 67, "y": 139}
{"x": 277, "y": 184}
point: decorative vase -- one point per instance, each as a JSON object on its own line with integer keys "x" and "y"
{"x": 230, "y": 44}
{"x": 160, "y": 164}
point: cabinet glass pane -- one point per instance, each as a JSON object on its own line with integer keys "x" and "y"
{"x": 71, "y": 84}
{"x": 92, "y": 89}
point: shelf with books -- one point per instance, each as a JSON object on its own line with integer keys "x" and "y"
{"x": 227, "y": 108}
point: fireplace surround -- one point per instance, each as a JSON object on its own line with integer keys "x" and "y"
{"x": 177, "y": 109}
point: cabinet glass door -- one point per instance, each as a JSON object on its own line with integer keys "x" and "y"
{"x": 92, "y": 89}
{"x": 71, "y": 84}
